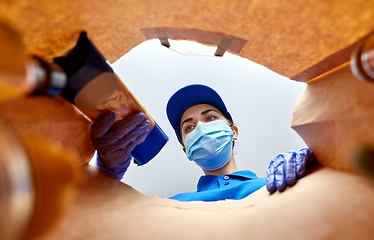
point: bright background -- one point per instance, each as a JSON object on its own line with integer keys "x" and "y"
{"x": 260, "y": 101}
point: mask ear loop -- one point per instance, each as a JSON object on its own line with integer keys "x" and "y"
{"x": 233, "y": 141}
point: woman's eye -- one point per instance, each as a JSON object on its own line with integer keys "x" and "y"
{"x": 211, "y": 118}
{"x": 188, "y": 129}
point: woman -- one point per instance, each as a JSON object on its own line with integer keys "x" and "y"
{"x": 207, "y": 132}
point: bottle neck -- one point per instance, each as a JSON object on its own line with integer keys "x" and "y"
{"x": 49, "y": 78}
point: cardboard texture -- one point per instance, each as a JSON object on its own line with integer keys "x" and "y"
{"x": 53, "y": 119}
{"x": 301, "y": 39}
{"x": 327, "y": 204}
{"x": 335, "y": 117}
{"x": 286, "y": 36}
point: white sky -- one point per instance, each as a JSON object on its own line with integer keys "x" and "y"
{"x": 260, "y": 101}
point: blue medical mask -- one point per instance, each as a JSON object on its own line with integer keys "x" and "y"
{"x": 209, "y": 145}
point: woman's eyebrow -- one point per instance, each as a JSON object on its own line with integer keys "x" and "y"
{"x": 187, "y": 120}
{"x": 206, "y": 111}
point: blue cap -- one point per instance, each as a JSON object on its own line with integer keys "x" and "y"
{"x": 189, "y": 96}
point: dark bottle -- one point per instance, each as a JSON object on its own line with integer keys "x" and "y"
{"x": 95, "y": 89}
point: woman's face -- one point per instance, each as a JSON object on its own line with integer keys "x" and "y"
{"x": 200, "y": 112}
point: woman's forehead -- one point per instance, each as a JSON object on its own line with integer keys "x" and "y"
{"x": 197, "y": 109}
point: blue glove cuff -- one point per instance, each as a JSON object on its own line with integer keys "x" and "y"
{"x": 116, "y": 172}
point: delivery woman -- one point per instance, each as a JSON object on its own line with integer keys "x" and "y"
{"x": 207, "y": 133}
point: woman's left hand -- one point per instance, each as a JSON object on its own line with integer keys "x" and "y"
{"x": 287, "y": 167}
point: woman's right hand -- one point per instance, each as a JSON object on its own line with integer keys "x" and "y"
{"x": 114, "y": 142}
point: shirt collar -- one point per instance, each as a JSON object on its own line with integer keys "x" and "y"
{"x": 244, "y": 173}
{"x": 207, "y": 180}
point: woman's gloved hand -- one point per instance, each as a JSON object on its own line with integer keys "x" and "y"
{"x": 287, "y": 167}
{"x": 114, "y": 142}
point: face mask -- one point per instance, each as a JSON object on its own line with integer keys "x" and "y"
{"x": 209, "y": 145}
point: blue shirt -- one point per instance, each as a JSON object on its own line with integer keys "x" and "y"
{"x": 236, "y": 186}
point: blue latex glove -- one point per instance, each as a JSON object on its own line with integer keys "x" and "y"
{"x": 114, "y": 142}
{"x": 287, "y": 167}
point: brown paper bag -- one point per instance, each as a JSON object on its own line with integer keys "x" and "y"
{"x": 335, "y": 117}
